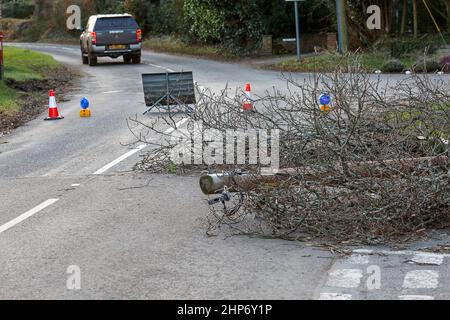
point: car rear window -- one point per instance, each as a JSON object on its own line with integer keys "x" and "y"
{"x": 116, "y": 23}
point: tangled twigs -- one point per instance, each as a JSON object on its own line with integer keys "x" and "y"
{"x": 373, "y": 169}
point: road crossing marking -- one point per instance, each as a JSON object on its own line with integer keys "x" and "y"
{"x": 428, "y": 258}
{"x": 27, "y": 215}
{"x": 421, "y": 279}
{"x": 358, "y": 259}
{"x": 396, "y": 253}
{"x": 335, "y": 296}
{"x": 415, "y": 297}
{"x": 345, "y": 278}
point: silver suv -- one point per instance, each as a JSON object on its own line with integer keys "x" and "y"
{"x": 111, "y": 35}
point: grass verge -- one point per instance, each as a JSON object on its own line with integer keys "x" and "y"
{"x": 8, "y": 99}
{"x": 169, "y": 44}
{"x": 22, "y": 65}
{"x": 28, "y": 76}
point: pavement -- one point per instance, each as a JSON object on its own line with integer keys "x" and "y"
{"x": 76, "y": 222}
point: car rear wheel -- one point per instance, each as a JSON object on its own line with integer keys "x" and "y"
{"x": 92, "y": 61}
{"x": 127, "y": 59}
{"x": 137, "y": 59}
{"x": 84, "y": 58}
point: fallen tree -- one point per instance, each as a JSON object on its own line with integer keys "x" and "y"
{"x": 213, "y": 183}
{"x": 372, "y": 169}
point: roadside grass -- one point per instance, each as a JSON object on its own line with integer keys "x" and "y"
{"x": 8, "y": 99}
{"x": 169, "y": 44}
{"x": 22, "y": 65}
{"x": 327, "y": 62}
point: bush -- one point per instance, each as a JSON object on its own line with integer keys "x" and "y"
{"x": 401, "y": 47}
{"x": 167, "y": 18}
{"x": 393, "y": 65}
{"x": 19, "y": 9}
{"x": 206, "y": 21}
{"x": 235, "y": 24}
{"x": 426, "y": 64}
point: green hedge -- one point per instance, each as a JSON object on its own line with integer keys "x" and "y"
{"x": 19, "y": 9}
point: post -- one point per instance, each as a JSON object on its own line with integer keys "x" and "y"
{"x": 342, "y": 26}
{"x": 297, "y": 30}
{"x": 1, "y": 56}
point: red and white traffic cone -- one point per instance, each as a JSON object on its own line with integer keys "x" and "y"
{"x": 53, "y": 113}
{"x": 248, "y": 103}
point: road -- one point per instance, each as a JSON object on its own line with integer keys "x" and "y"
{"x": 66, "y": 200}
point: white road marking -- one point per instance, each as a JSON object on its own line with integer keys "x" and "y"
{"x": 335, "y": 296}
{"x": 358, "y": 259}
{"x": 109, "y": 92}
{"x": 159, "y": 67}
{"x": 428, "y": 258}
{"x": 135, "y": 150}
{"x": 75, "y": 185}
{"x": 345, "y": 278}
{"x": 395, "y": 253}
{"x": 415, "y": 297}
{"x": 177, "y": 125}
{"x": 363, "y": 251}
{"x": 421, "y": 279}
{"x": 120, "y": 159}
{"x": 27, "y": 214}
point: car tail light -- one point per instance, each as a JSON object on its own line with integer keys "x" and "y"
{"x": 94, "y": 37}
{"x": 139, "y": 35}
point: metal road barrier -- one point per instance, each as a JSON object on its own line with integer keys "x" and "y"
{"x": 168, "y": 89}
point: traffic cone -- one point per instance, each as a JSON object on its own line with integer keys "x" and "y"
{"x": 248, "y": 104}
{"x": 52, "y": 108}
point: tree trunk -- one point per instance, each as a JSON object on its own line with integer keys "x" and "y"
{"x": 447, "y": 4}
{"x": 416, "y": 19}
{"x": 404, "y": 15}
{"x": 387, "y": 17}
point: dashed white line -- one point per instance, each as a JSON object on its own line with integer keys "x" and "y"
{"x": 27, "y": 214}
{"x": 120, "y": 159}
{"x": 135, "y": 150}
{"x": 110, "y": 92}
{"x": 421, "y": 279}
{"x": 177, "y": 125}
{"x": 159, "y": 67}
{"x": 345, "y": 278}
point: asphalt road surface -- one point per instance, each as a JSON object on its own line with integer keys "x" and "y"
{"x": 71, "y": 205}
